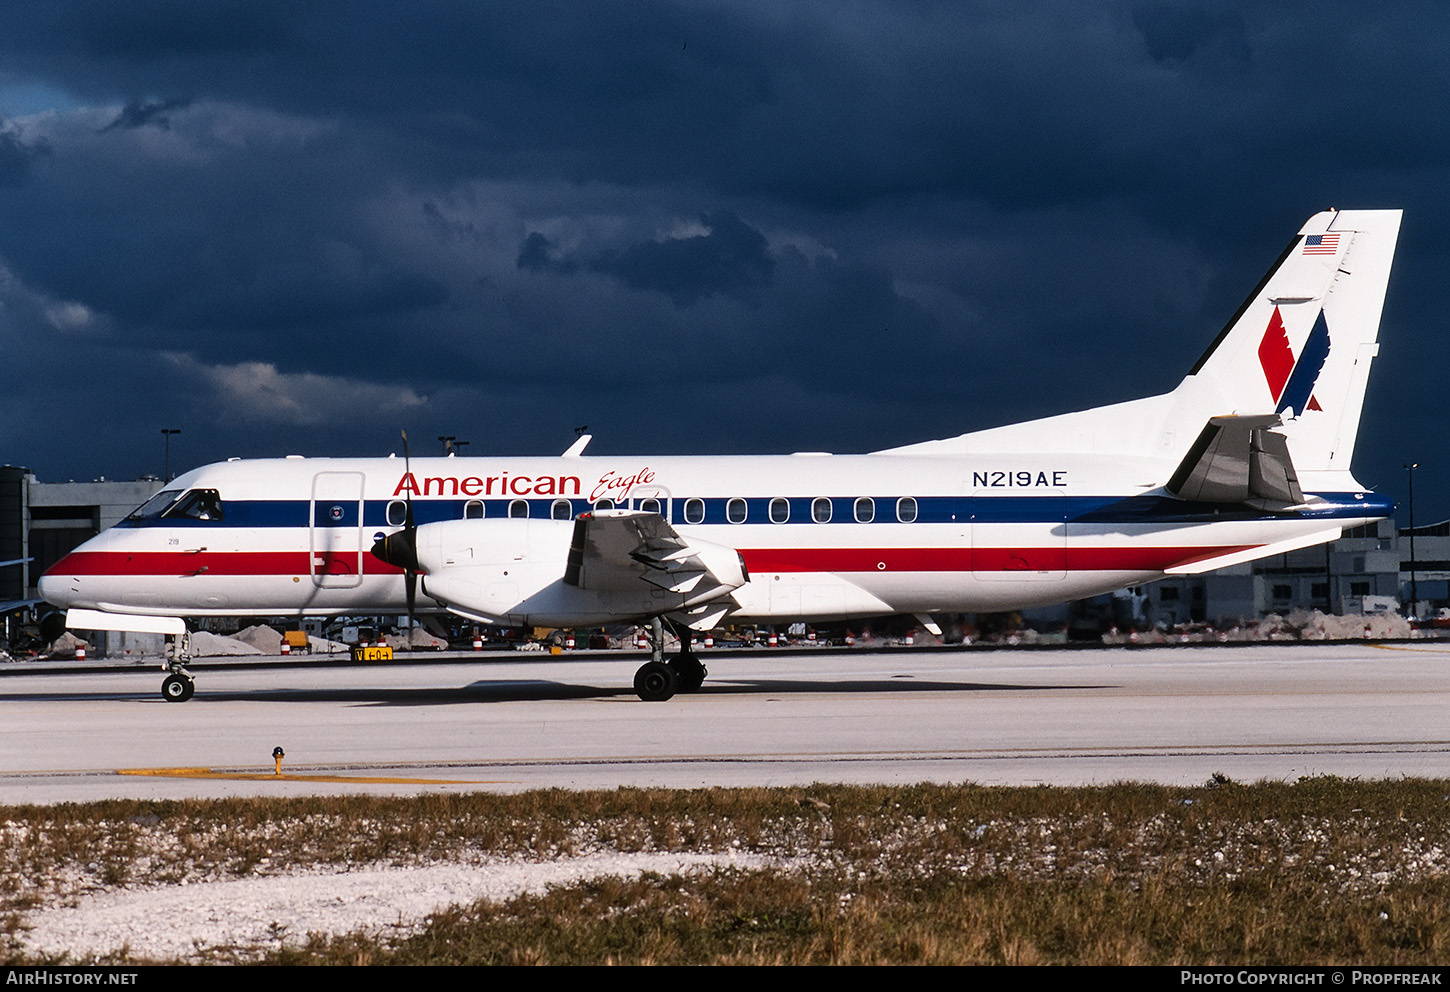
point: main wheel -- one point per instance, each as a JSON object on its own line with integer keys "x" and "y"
{"x": 655, "y": 682}
{"x": 177, "y": 688}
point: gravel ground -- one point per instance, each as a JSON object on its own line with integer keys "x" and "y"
{"x": 238, "y": 918}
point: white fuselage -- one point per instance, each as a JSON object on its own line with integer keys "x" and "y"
{"x": 822, "y": 536}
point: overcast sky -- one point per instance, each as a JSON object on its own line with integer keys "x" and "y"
{"x": 288, "y": 227}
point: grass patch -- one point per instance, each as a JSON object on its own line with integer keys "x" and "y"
{"x": 1319, "y": 871}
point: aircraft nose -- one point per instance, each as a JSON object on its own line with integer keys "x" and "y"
{"x": 57, "y": 589}
{"x": 61, "y": 584}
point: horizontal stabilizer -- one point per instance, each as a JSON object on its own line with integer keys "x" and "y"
{"x": 1255, "y": 553}
{"x": 1238, "y": 460}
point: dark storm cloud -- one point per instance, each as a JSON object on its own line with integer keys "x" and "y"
{"x": 219, "y": 246}
{"x": 1045, "y": 104}
{"x": 821, "y": 109}
{"x": 152, "y": 30}
{"x": 538, "y": 254}
{"x": 284, "y": 305}
{"x": 731, "y": 258}
{"x": 1176, "y": 33}
{"x": 140, "y": 114}
{"x": 16, "y": 158}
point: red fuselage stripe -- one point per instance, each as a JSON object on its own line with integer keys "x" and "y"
{"x": 758, "y": 560}
{"x": 258, "y": 563}
{"x": 1055, "y": 559}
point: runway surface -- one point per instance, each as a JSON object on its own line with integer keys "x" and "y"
{"x": 512, "y": 722}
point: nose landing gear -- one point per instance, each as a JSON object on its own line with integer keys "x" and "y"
{"x": 178, "y": 686}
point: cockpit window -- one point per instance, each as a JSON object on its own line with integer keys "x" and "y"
{"x": 154, "y": 506}
{"x": 198, "y": 504}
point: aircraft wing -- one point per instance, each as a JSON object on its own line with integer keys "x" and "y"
{"x": 1238, "y": 460}
{"x": 617, "y": 549}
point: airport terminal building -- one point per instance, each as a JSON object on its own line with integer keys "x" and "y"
{"x": 44, "y": 521}
{"x": 1365, "y": 571}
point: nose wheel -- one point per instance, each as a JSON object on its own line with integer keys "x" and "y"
{"x": 177, "y": 687}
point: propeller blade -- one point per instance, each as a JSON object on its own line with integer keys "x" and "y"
{"x": 410, "y": 528}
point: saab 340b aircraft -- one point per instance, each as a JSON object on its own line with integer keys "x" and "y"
{"x": 1249, "y": 456}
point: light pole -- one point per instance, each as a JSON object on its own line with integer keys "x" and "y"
{"x": 166, "y": 432}
{"x": 1414, "y": 588}
{"x": 447, "y": 440}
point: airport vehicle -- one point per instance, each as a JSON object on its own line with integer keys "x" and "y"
{"x": 1248, "y": 456}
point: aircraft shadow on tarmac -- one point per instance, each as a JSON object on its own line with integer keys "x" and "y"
{"x": 524, "y": 690}
{"x": 543, "y": 689}
{"x": 486, "y": 691}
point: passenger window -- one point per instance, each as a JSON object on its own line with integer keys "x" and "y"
{"x": 865, "y": 510}
{"x": 561, "y": 510}
{"x": 604, "y": 504}
{"x": 650, "y": 505}
{"x": 694, "y": 511}
{"x": 473, "y": 510}
{"x": 735, "y": 510}
{"x": 906, "y": 510}
{"x": 779, "y": 510}
{"x": 397, "y": 513}
{"x": 519, "y": 508}
{"x": 821, "y": 510}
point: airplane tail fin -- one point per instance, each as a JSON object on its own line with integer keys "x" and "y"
{"x": 1298, "y": 350}
{"x": 1300, "y": 346}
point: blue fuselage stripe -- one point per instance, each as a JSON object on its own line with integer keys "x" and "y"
{"x": 1094, "y": 510}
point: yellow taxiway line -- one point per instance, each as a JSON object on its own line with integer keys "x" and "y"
{"x": 272, "y": 776}
{"x": 1429, "y": 648}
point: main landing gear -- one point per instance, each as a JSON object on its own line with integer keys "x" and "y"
{"x": 657, "y": 679}
{"x": 178, "y": 686}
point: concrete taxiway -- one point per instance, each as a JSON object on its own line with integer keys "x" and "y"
{"x": 510, "y": 722}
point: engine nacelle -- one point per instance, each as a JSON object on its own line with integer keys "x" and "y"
{"x": 513, "y": 571}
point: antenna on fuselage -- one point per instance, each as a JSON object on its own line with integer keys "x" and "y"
{"x": 581, "y": 441}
